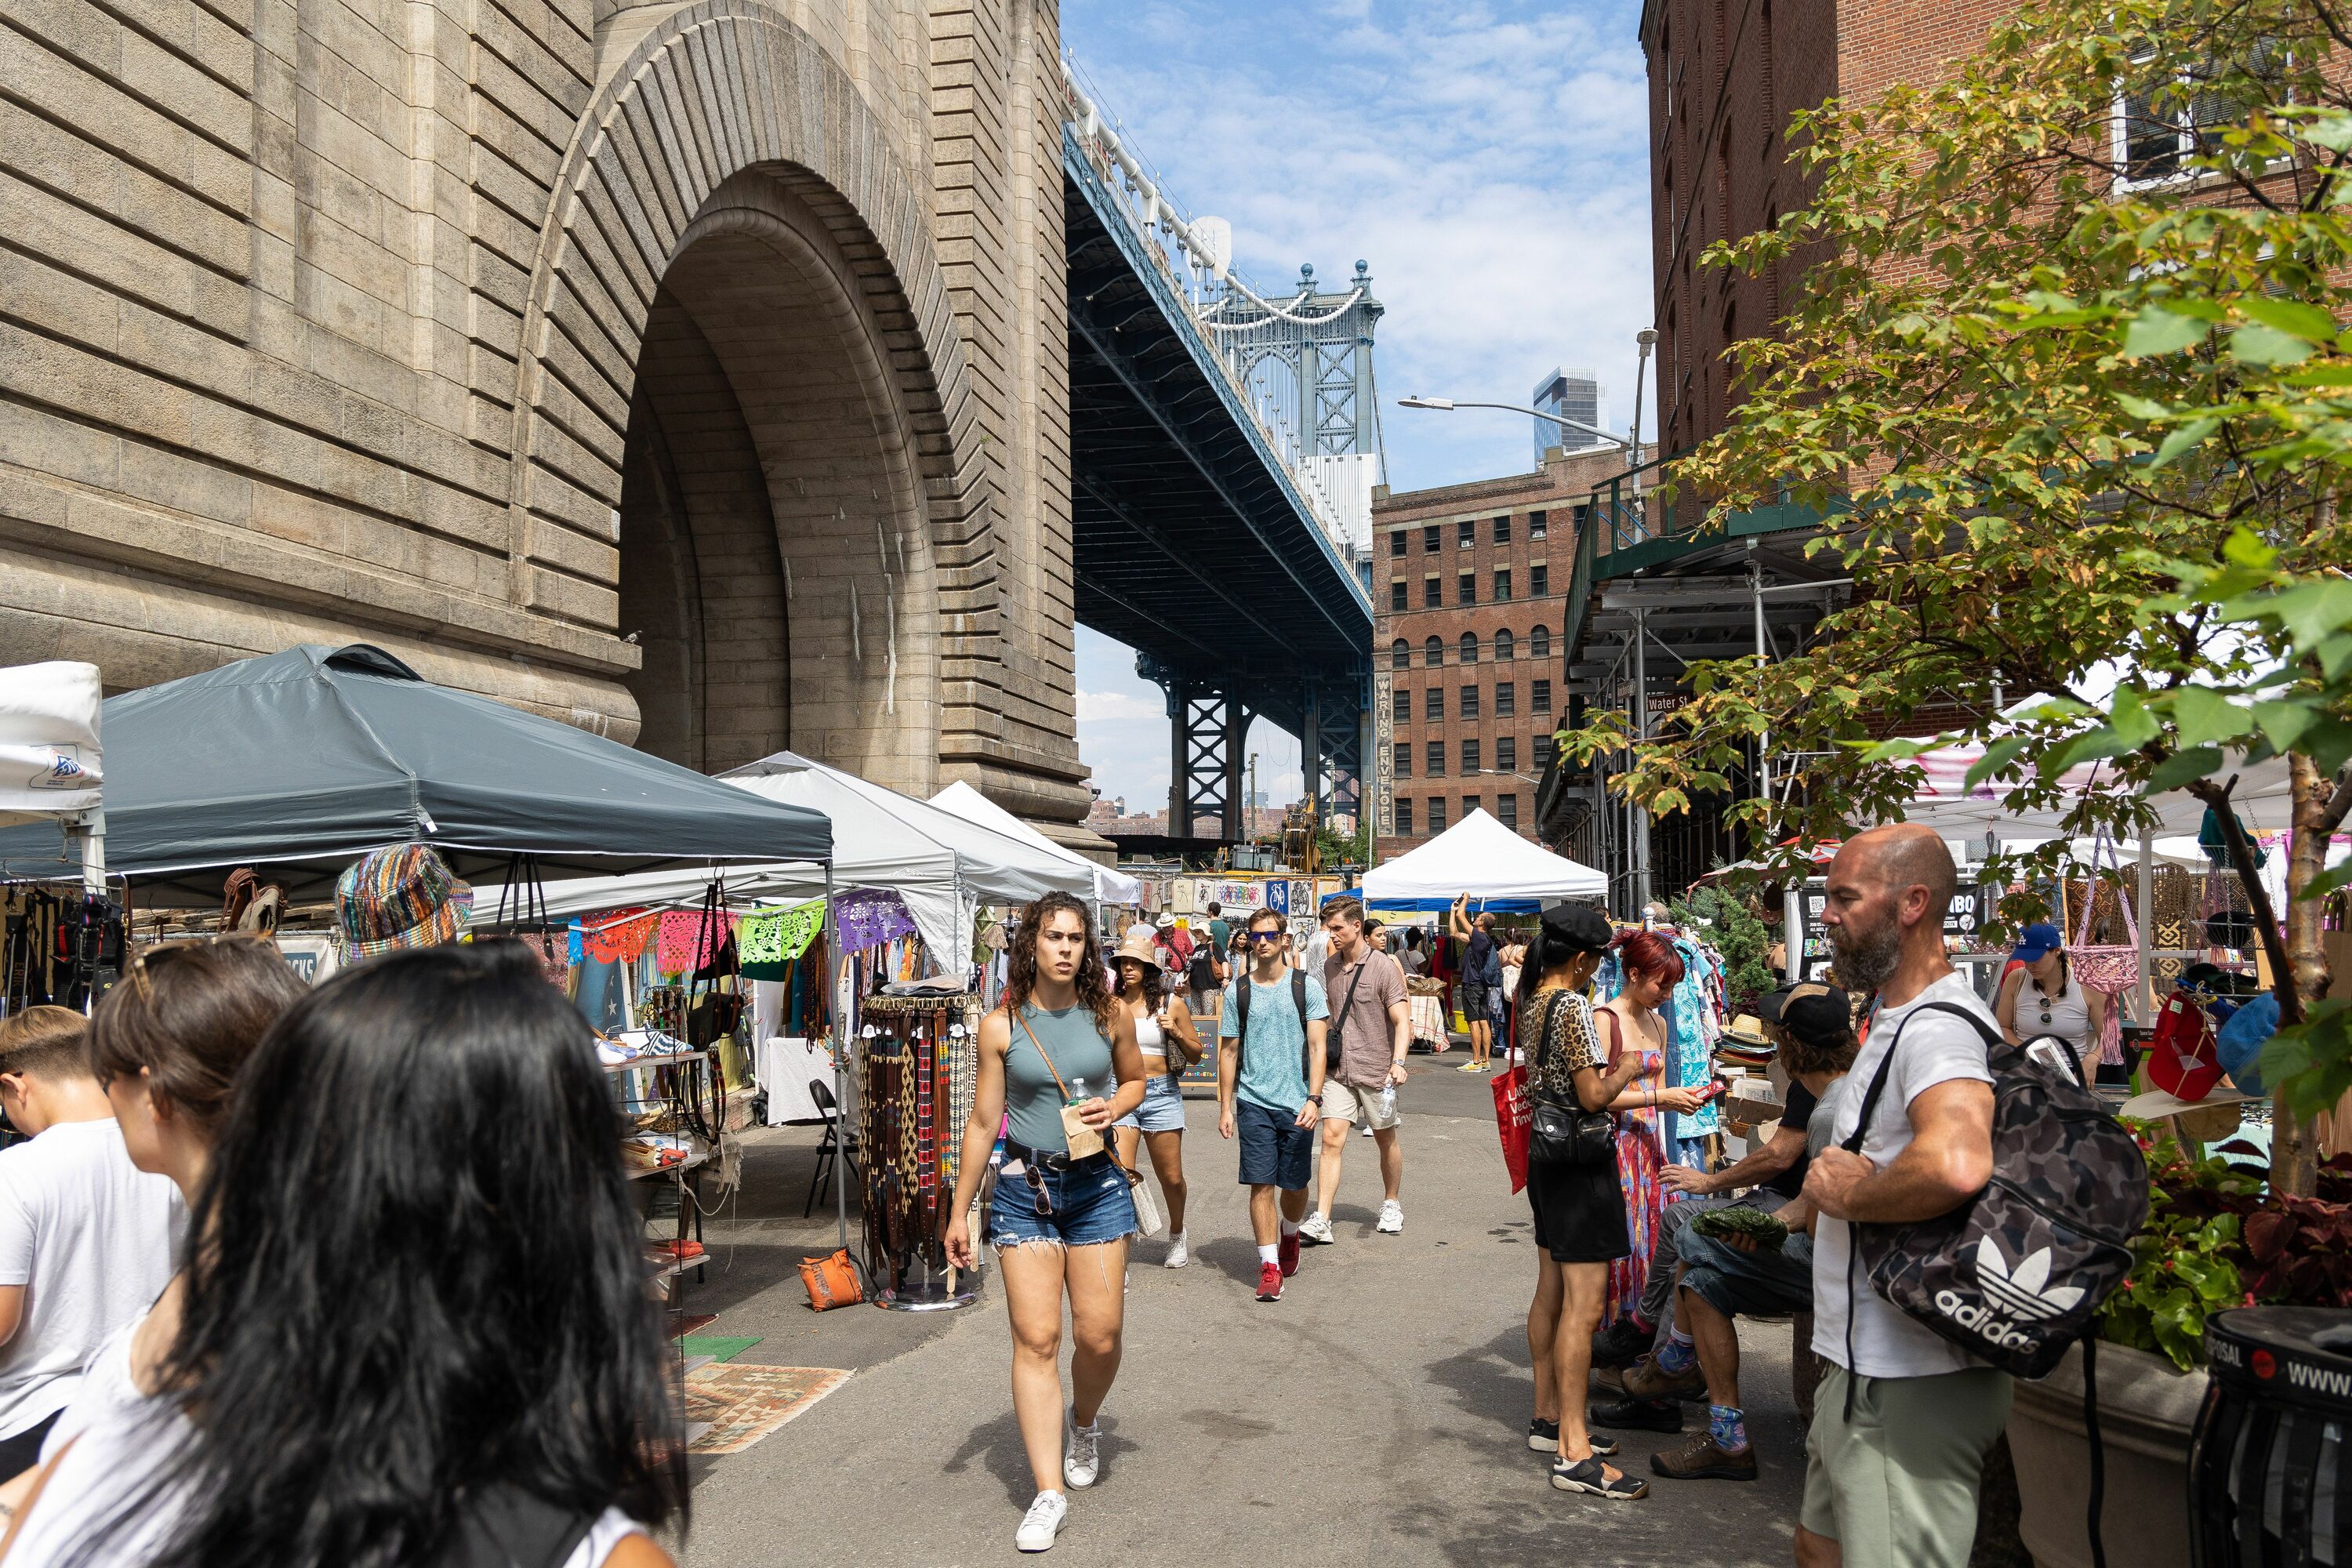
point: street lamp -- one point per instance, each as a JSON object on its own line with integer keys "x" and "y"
{"x": 1447, "y": 405}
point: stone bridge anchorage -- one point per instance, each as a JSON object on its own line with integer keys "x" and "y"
{"x": 695, "y": 372}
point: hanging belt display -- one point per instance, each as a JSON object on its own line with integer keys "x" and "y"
{"x": 917, "y": 1067}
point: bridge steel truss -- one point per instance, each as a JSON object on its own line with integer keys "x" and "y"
{"x": 1206, "y": 532}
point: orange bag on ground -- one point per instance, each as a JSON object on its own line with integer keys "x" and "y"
{"x": 831, "y": 1282}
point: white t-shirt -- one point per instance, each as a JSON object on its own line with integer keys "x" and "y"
{"x": 1938, "y": 1048}
{"x": 108, "y": 1446}
{"x": 92, "y": 1238}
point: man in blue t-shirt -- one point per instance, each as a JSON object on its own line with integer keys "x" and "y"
{"x": 1270, "y": 1090}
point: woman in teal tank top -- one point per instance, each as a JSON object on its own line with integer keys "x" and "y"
{"x": 1060, "y": 1225}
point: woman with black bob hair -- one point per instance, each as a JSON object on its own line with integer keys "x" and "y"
{"x": 416, "y": 1328}
{"x": 1579, "y": 1210}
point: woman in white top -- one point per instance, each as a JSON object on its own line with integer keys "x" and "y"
{"x": 415, "y": 1310}
{"x": 1165, "y": 1034}
{"x": 2043, "y": 997}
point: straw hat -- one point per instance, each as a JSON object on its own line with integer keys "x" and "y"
{"x": 399, "y": 897}
{"x": 1748, "y": 1030}
{"x": 1140, "y": 948}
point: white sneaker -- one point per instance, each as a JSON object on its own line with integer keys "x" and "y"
{"x": 1179, "y": 1253}
{"x": 1314, "y": 1229}
{"x": 1392, "y": 1218}
{"x": 1042, "y": 1522}
{"x": 1082, "y": 1460}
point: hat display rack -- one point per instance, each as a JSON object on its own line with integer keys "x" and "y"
{"x": 918, "y": 1059}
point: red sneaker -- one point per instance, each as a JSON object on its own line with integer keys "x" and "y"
{"x": 1269, "y": 1282}
{"x": 1288, "y": 1252}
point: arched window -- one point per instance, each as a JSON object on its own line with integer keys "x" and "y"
{"x": 1539, "y": 642}
{"x": 1469, "y": 647}
{"x": 1433, "y": 652}
{"x": 1505, "y": 649}
{"x": 1400, "y": 654}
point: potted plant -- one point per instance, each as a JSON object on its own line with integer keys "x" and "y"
{"x": 2213, "y": 1240}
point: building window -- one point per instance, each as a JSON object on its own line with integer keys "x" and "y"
{"x": 1506, "y": 753}
{"x": 1401, "y": 758}
{"x": 1543, "y": 753}
{"x": 1507, "y": 810}
{"x": 1401, "y": 706}
{"x": 1469, "y": 702}
{"x": 1396, "y": 541}
{"x": 1502, "y": 584}
{"x": 1539, "y": 580}
{"x": 1400, "y": 654}
{"x": 1466, "y": 588}
{"x": 1506, "y": 699}
{"x": 1398, "y": 597}
{"x": 1432, "y": 595}
{"x": 1506, "y": 647}
{"x": 1433, "y": 652}
{"x": 1539, "y": 696}
{"x": 1429, "y": 540}
{"x": 1469, "y": 757}
{"x": 1465, "y": 534}
{"x": 1535, "y": 525}
{"x": 1503, "y": 529}
{"x": 1433, "y": 706}
{"x": 1437, "y": 813}
{"x": 1469, "y": 647}
{"x": 2159, "y": 128}
{"x": 1539, "y": 642}
{"x": 1404, "y": 818}
{"x": 1469, "y": 804}
{"x": 1436, "y": 758}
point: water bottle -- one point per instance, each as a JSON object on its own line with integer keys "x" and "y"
{"x": 1081, "y": 1090}
{"x": 1387, "y": 1102}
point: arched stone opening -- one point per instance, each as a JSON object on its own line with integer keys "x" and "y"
{"x": 775, "y": 560}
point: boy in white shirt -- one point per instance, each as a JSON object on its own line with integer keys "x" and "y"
{"x": 86, "y": 1240}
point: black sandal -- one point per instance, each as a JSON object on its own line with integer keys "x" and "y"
{"x": 1592, "y": 1478}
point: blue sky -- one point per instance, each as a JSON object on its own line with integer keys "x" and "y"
{"x": 1489, "y": 161}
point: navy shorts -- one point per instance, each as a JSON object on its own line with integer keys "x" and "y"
{"x": 1087, "y": 1204}
{"x": 1275, "y": 1151}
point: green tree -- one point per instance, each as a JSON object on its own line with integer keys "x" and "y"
{"x": 2077, "y": 406}
{"x": 1736, "y": 933}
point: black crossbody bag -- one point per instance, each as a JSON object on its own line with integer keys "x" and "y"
{"x": 1561, "y": 1131}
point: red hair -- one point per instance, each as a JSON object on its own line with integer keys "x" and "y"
{"x": 1645, "y": 952}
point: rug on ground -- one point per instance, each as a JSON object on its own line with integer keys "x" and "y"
{"x": 745, "y": 1403}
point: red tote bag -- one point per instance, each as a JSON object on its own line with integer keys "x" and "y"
{"x": 1512, "y": 1115}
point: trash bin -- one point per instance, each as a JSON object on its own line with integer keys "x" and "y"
{"x": 2270, "y": 1466}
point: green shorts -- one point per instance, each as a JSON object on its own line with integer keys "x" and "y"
{"x": 1899, "y": 1483}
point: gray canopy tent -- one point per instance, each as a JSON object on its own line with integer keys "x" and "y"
{"x": 299, "y": 762}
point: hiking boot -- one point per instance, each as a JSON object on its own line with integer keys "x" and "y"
{"x": 1285, "y": 1254}
{"x": 1703, "y": 1458}
{"x": 1269, "y": 1282}
{"x": 1635, "y": 1415}
{"x": 1643, "y": 1379}
{"x": 1620, "y": 1343}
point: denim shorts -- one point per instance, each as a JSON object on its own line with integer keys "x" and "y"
{"x": 1090, "y": 1203}
{"x": 1275, "y": 1151}
{"x": 1162, "y": 1110}
{"x": 1758, "y": 1284}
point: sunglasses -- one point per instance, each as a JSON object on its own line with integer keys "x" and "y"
{"x": 1266, "y": 935}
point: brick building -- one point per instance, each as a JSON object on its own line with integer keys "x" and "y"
{"x": 1469, "y": 587}
{"x": 1725, "y": 75}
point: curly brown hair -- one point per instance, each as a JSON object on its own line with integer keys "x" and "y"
{"x": 1021, "y": 968}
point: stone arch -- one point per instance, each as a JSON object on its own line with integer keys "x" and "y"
{"x": 734, "y": 252}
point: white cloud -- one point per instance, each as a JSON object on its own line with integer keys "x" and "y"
{"x": 1099, "y": 707}
{"x": 1489, "y": 161}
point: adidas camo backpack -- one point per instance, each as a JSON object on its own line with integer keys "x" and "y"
{"x": 2014, "y": 1275}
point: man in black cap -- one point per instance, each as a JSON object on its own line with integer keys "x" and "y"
{"x": 1722, "y": 1277}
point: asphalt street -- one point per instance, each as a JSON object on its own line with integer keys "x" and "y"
{"x": 1376, "y": 1414}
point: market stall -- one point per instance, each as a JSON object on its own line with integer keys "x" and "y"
{"x": 51, "y": 773}
{"x": 1111, "y": 885}
{"x": 1478, "y": 856}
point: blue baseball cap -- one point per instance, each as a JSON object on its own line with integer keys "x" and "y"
{"x": 2038, "y": 941}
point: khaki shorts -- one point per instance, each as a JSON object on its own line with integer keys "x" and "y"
{"x": 1345, "y": 1102}
{"x": 1898, "y": 1484}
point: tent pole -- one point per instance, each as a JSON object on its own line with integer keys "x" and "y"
{"x": 2147, "y": 922}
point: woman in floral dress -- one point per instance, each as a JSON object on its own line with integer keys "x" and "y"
{"x": 1632, "y": 1021}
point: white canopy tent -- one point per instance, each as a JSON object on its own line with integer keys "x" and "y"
{"x": 52, "y": 769}
{"x": 938, "y": 865}
{"x": 1480, "y": 857}
{"x": 1111, "y": 885}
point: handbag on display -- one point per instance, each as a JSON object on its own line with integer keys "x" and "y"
{"x": 2110, "y": 971}
{"x": 831, "y": 1282}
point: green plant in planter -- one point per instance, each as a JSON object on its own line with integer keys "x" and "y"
{"x": 2189, "y": 1259}
{"x": 1738, "y": 934}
